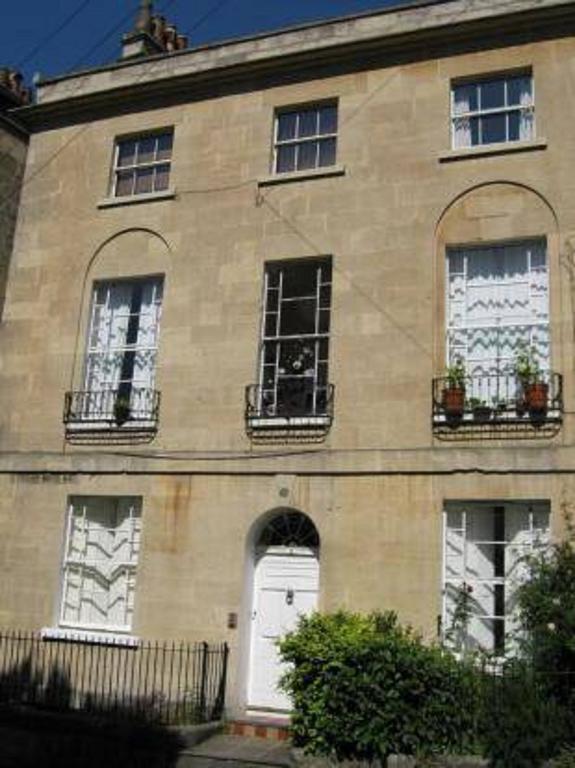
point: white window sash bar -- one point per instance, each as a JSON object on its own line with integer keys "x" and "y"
{"x": 303, "y": 139}
{"x": 117, "y": 168}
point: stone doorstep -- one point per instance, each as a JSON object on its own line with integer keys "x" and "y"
{"x": 192, "y": 735}
{"x": 259, "y": 728}
{"x": 227, "y": 749}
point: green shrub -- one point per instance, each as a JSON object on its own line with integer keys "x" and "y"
{"x": 521, "y": 724}
{"x": 363, "y": 687}
{"x": 547, "y": 615}
{"x": 565, "y": 759}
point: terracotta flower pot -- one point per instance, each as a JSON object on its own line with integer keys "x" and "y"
{"x": 537, "y": 397}
{"x": 453, "y": 401}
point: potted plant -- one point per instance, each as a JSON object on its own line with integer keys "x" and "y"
{"x": 534, "y": 392}
{"x": 453, "y": 395}
{"x": 499, "y": 405}
{"x": 481, "y": 411}
{"x": 122, "y": 409}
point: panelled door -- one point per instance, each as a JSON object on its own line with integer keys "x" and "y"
{"x": 286, "y": 583}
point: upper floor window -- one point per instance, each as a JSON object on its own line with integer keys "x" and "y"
{"x": 293, "y": 386}
{"x": 100, "y": 559}
{"x": 142, "y": 164}
{"x": 120, "y": 363}
{"x": 497, "y": 303}
{"x": 492, "y": 110}
{"x": 499, "y": 378}
{"x": 305, "y": 138}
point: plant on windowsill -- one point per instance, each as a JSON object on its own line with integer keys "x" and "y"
{"x": 499, "y": 406}
{"x": 534, "y": 392}
{"x": 453, "y": 394}
{"x": 481, "y": 411}
{"x": 455, "y": 637}
{"x": 122, "y": 410}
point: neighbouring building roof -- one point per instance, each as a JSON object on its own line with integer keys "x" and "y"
{"x": 13, "y": 94}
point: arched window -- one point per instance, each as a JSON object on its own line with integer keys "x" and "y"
{"x": 288, "y": 528}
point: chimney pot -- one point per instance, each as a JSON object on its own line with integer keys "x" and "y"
{"x": 171, "y": 37}
{"x": 158, "y": 28}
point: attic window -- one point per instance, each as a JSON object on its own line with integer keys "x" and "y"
{"x": 142, "y": 164}
{"x": 305, "y": 138}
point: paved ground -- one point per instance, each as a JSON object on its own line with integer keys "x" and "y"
{"x": 236, "y": 751}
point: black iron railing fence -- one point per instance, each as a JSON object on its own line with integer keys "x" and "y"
{"x": 137, "y": 408}
{"x": 170, "y": 683}
{"x": 497, "y": 398}
{"x": 297, "y": 399}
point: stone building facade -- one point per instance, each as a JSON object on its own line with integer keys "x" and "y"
{"x": 13, "y": 146}
{"x": 243, "y": 273}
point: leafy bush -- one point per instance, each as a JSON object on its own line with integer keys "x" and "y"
{"x": 565, "y": 759}
{"x": 521, "y": 725}
{"x": 547, "y": 616}
{"x": 529, "y": 713}
{"x": 363, "y": 687}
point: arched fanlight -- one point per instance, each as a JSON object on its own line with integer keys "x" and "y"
{"x": 289, "y": 529}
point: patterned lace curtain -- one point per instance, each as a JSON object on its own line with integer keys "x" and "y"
{"x": 461, "y": 125}
{"x": 526, "y": 118}
{"x": 497, "y": 301}
{"x": 123, "y": 342}
{"x": 107, "y": 342}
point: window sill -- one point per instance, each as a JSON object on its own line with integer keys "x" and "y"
{"x": 263, "y": 422}
{"x": 89, "y": 636}
{"x": 149, "y": 197}
{"x": 315, "y": 173}
{"x": 109, "y": 425}
{"x": 485, "y": 150}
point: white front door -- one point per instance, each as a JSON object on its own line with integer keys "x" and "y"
{"x": 286, "y": 585}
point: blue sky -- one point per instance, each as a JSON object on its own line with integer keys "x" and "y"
{"x": 57, "y": 36}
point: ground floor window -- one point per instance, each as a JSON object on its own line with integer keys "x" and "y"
{"x": 100, "y": 559}
{"x": 485, "y": 549}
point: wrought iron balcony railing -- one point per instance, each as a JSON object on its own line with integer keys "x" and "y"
{"x": 111, "y": 410}
{"x": 492, "y": 401}
{"x": 294, "y": 404}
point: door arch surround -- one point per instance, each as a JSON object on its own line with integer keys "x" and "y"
{"x": 282, "y": 583}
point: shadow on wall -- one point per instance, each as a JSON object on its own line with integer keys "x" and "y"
{"x": 39, "y": 727}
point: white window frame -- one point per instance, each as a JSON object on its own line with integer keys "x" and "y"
{"x": 531, "y": 546}
{"x": 84, "y": 563}
{"x": 298, "y": 141}
{"x": 454, "y": 352}
{"x": 277, "y": 338}
{"x": 136, "y": 166}
{"x": 480, "y": 113}
{"x": 157, "y": 283}
{"x": 97, "y": 392}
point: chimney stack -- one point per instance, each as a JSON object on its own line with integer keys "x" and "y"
{"x": 12, "y": 91}
{"x": 151, "y": 35}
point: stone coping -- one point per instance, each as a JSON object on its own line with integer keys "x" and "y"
{"x": 408, "y": 29}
